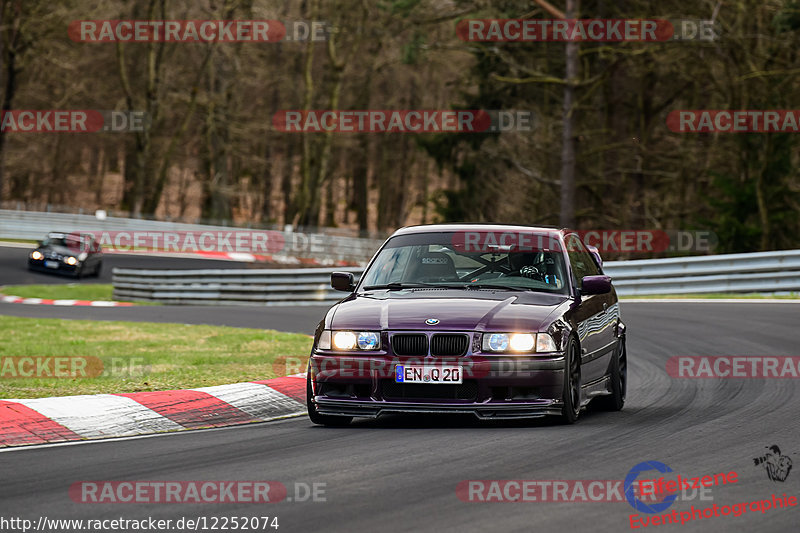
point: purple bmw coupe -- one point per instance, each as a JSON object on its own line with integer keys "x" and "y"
{"x": 493, "y": 320}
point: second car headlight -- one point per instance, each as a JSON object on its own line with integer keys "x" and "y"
{"x": 36, "y": 255}
{"x": 355, "y": 340}
{"x": 71, "y": 261}
{"x": 518, "y": 342}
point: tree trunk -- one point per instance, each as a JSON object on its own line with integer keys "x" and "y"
{"x": 567, "y": 212}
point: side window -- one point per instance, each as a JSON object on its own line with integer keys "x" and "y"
{"x": 580, "y": 260}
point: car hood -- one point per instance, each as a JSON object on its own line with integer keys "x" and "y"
{"x": 456, "y": 310}
{"x": 61, "y": 250}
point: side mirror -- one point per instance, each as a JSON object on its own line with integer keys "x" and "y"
{"x": 596, "y": 285}
{"x": 595, "y": 253}
{"x": 343, "y": 281}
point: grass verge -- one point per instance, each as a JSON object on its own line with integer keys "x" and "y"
{"x": 144, "y": 356}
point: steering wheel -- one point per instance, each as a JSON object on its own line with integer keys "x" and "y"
{"x": 529, "y": 271}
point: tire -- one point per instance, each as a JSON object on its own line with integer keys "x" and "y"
{"x": 322, "y": 420}
{"x": 571, "y": 394}
{"x": 97, "y": 269}
{"x": 619, "y": 381}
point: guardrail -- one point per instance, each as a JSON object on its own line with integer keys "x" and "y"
{"x": 759, "y": 272}
{"x": 727, "y": 273}
{"x": 323, "y": 248}
{"x": 306, "y": 286}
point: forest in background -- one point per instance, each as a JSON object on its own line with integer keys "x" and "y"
{"x": 211, "y": 152}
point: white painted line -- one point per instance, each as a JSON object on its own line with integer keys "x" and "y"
{"x": 65, "y": 302}
{"x": 101, "y": 303}
{"x": 241, "y": 256}
{"x": 259, "y": 401}
{"x": 31, "y": 300}
{"x": 101, "y": 415}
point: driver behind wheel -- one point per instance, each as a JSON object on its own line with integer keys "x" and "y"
{"x": 522, "y": 264}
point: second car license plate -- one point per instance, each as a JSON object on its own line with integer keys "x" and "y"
{"x": 51, "y": 264}
{"x": 432, "y": 374}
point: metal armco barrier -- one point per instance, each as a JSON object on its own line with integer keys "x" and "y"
{"x": 759, "y": 272}
{"x": 324, "y": 247}
{"x": 728, "y": 273}
{"x": 306, "y": 286}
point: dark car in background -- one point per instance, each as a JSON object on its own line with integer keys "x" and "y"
{"x": 490, "y": 320}
{"x": 74, "y": 254}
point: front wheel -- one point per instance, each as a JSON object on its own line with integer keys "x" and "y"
{"x": 313, "y": 414}
{"x": 571, "y": 395}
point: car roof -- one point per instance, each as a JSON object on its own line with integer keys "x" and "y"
{"x": 69, "y": 236}
{"x": 434, "y": 228}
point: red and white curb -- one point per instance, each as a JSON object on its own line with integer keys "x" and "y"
{"x": 70, "y": 418}
{"x": 44, "y": 301}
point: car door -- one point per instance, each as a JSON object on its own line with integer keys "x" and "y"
{"x": 595, "y": 315}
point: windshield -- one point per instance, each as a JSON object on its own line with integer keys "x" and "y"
{"x": 68, "y": 241}
{"x": 436, "y": 259}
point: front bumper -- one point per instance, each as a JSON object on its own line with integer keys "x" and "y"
{"x": 63, "y": 268}
{"x": 493, "y": 387}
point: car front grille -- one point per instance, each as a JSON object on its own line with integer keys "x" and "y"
{"x": 421, "y": 391}
{"x": 410, "y": 344}
{"x": 449, "y": 344}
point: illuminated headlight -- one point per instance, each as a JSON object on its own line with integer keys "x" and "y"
{"x": 522, "y": 342}
{"x": 36, "y": 255}
{"x": 71, "y": 261}
{"x": 344, "y": 340}
{"x": 351, "y": 340}
{"x": 518, "y": 342}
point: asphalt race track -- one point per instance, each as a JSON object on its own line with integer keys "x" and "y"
{"x": 400, "y": 473}
{"x": 14, "y": 266}
{"x": 301, "y": 319}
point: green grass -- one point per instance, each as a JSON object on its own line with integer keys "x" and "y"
{"x": 143, "y": 356}
{"x": 70, "y": 291}
{"x": 717, "y": 295}
{"x": 23, "y": 241}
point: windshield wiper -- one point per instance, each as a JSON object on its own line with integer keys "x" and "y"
{"x": 490, "y": 286}
{"x": 396, "y": 286}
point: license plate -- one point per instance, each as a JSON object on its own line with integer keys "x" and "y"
{"x": 432, "y": 374}
{"x": 51, "y": 264}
